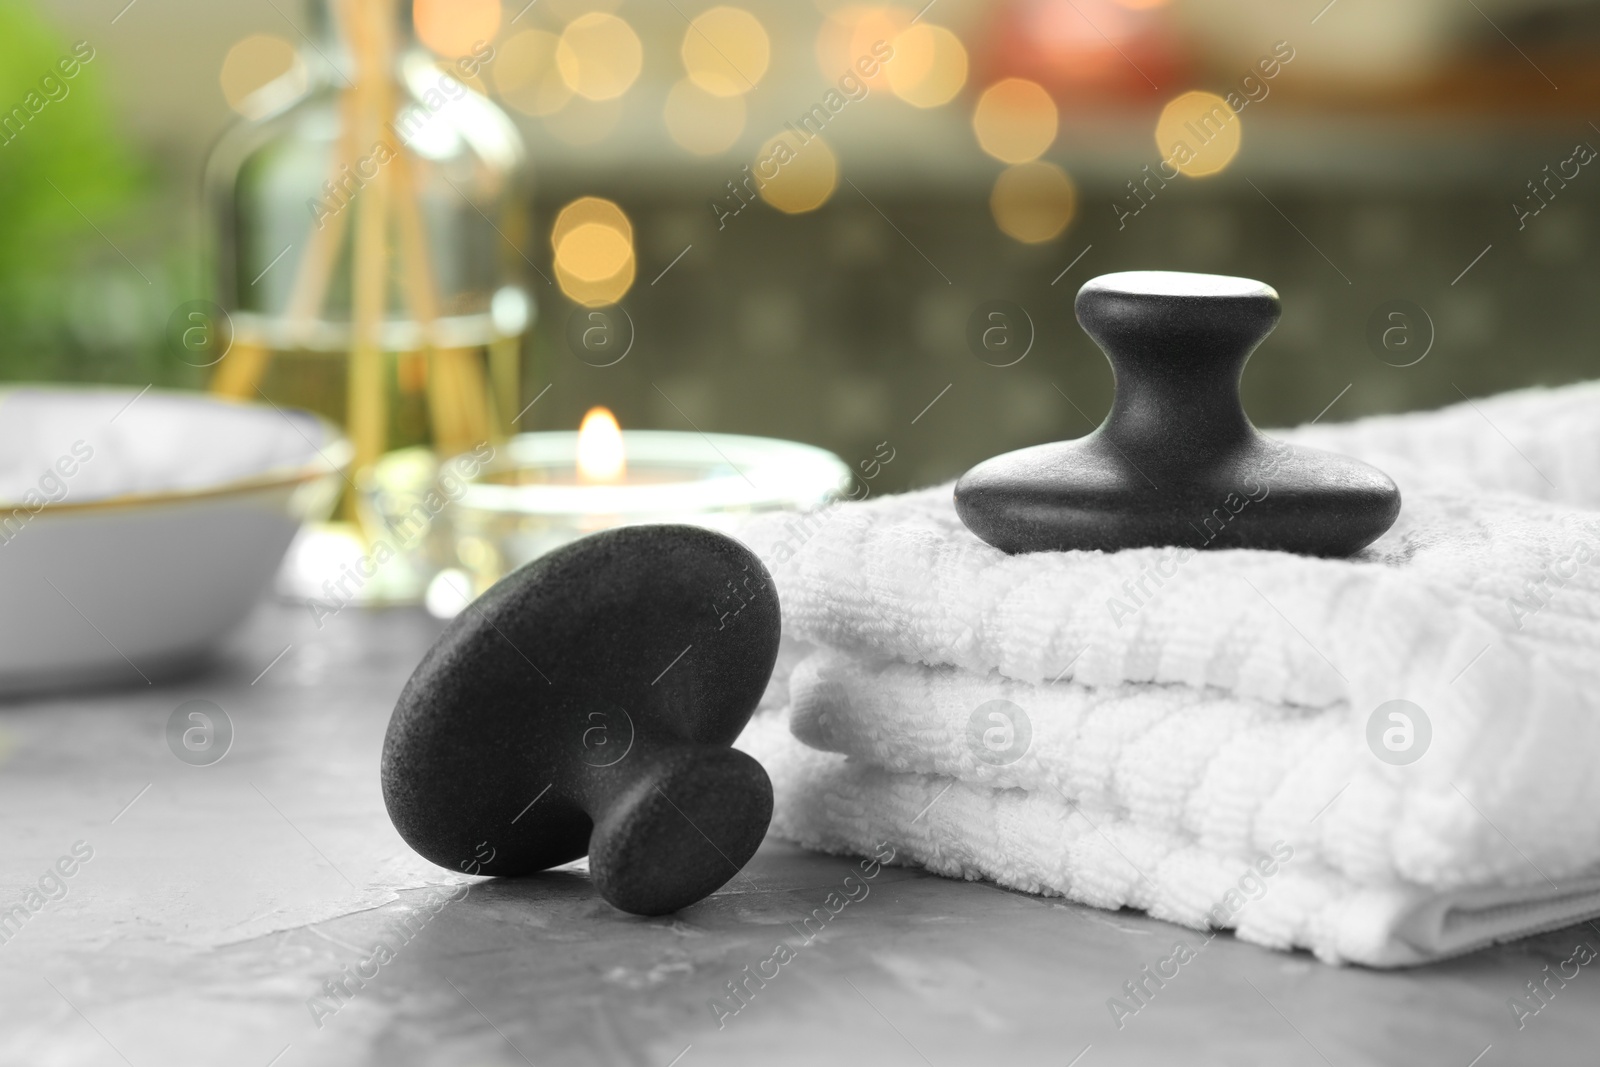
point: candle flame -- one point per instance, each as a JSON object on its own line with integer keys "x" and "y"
{"x": 601, "y": 460}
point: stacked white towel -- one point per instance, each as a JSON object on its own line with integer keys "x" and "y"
{"x": 1188, "y": 733}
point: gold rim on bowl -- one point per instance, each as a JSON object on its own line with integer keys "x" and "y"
{"x": 333, "y": 458}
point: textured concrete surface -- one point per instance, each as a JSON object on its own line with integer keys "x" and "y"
{"x": 222, "y": 903}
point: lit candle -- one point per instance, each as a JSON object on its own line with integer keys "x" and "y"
{"x": 602, "y": 457}
{"x": 542, "y": 490}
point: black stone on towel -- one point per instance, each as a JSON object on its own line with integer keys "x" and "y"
{"x": 603, "y": 683}
{"x": 1177, "y": 462}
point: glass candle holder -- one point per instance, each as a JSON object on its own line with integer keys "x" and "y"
{"x": 533, "y": 497}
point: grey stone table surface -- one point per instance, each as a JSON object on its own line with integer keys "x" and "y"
{"x": 262, "y": 911}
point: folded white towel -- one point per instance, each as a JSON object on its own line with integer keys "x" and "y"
{"x": 1198, "y": 716}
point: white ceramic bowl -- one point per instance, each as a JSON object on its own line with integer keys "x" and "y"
{"x": 138, "y": 529}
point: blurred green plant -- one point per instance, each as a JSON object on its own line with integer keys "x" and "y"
{"x": 70, "y": 306}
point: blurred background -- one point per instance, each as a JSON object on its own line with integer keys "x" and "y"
{"x": 1427, "y": 159}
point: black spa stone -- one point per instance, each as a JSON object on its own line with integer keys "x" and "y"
{"x": 1177, "y": 462}
{"x": 585, "y": 705}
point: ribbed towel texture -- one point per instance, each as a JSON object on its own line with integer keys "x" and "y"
{"x": 1193, "y": 733}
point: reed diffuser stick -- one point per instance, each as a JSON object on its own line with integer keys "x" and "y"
{"x": 422, "y": 296}
{"x": 368, "y": 385}
{"x": 505, "y": 374}
{"x": 461, "y": 406}
{"x": 458, "y": 395}
{"x": 241, "y": 374}
{"x": 310, "y": 293}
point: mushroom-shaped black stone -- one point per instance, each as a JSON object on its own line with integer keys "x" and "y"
{"x": 585, "y": 705}
{"x": 1177, "y": 462}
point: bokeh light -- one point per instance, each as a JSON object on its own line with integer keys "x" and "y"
{"x": 1015, "y": 120}
{"x": 590, "y": 210}
{"x": 1033, "y": 202}
{"x": 849, "y": 35}
{"x": 726, "y": 51}
{"x": 525, "y": 75}
{"x": 701, "y": 122}
{"x": 807, "y": 172}
{"x": 255, "y": 62}
{"x": 1198, "y": 133}
{"x": 455, "y": 27}
{"x": 594, "y": 256}
{"x": 929, "y": 66}
{"x": 594, "y": 252}
{"x": 599, "y": 56}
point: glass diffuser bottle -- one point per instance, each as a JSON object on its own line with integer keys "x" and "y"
{"x": 367, "y": 240}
